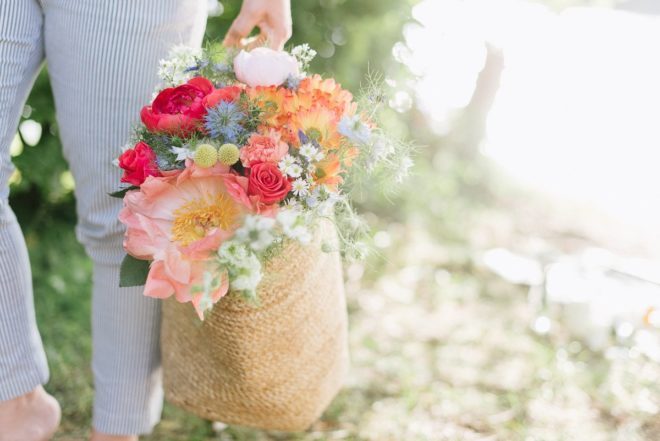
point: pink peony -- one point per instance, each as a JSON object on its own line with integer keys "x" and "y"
{"x": 179, "y": 222}
{"x": 263, "y": 149}
{"x": 264, "y": 67}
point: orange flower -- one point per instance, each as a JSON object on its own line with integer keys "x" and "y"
{"x": 271, "y": 100}
{"x": 320, "y": 124}
{"x": 314, "y": 90}
{"x": 348, "y": 155}
{"x": 328, "y": 172}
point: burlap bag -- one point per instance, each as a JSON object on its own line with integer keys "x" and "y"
{"x": 276, "y": 366}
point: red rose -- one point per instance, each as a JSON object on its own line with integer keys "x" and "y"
{"x": 178, "y": 110}
{"x": 138, "y": 163}
{"x": 267, "y": 182}
{"x": 229, "y": 93}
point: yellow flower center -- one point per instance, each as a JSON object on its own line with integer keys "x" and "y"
{"x": 313, "y": 133}
{"x": 193, "y": 220}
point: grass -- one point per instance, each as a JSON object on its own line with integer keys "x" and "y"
{"x": 441, "y": 348}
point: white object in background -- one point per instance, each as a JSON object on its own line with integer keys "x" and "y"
{"x": 598, "y": 296}
{"x": 30, "y": 131}
{"x": 215, "y": 8}
{"x": 512, "y": 267}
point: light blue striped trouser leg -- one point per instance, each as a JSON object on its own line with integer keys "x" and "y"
{"x": 102, "y": 57}
{"x": 22, "y": 358}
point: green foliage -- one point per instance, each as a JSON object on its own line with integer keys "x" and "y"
{"x": 133, "y": 272}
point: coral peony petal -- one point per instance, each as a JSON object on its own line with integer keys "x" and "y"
{"x": 158, "y": 285}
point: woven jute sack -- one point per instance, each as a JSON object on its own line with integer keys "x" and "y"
{"x": 274, "y": 366}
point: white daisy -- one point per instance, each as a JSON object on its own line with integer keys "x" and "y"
{"x": 300, "y": 187}
{"x": 308, "y": 151}
{"x": 294, "y": 171}
{"x": 287, "y": 162}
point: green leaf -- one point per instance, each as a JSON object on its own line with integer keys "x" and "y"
{"x": 133, "y": 272}
{"x": 121, "y": 193}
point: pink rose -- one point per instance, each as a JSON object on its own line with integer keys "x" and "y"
{"x": 264, "y": 67}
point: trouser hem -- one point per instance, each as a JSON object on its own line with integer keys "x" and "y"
{"x": 11, "y": 388}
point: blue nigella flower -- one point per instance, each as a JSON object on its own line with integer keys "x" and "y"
{"x": 224, "y": 122}
{"x": 222, "y": 68}
{"x": 198, "y": 66}
{"x": 354, "y": 129}
{"x": 292, "y": 82}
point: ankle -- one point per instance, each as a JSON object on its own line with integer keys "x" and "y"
{"x": 32, "y": 416}
{"x": 25, "y": 400}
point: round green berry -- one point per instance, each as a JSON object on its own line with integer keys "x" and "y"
{"x": 205, "y": 155}
{"x": 228, "y": 154}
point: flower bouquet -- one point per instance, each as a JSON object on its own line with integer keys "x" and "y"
{"x": 236, "y": 206}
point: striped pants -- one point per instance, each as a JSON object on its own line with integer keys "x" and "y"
{"x": 102, "y": 58}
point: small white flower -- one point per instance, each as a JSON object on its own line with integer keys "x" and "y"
{"x": 308, "y": 151}
{"x": 318, "y": 156}
{"x": 248, "y": 277}
{"x": 265, "y": 223}
{"x": 287, "y": 218}
{"x": 233, "y": 253}
{"x": 263, "y": 241}
{"x": 294, "y": 171}
{"x": 304, "y": 55}
{"x": 300, "y": 187}
{"x": 172, "y": 70}
{"x": 206, "y": 301}
{"x": 182, "y": 153}
{"x": 287, "y": 162}
{"x": 256, "y": 232}
{"x": 115, "y": 162}
{"x": 300, "y": 233}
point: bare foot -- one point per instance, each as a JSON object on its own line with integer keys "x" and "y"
{"x": 34, "y": 416}
{"x": 97, "y": 436}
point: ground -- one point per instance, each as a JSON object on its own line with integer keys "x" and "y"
{"x": 441, "y": 348}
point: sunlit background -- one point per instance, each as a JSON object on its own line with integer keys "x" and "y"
{"x": 514, "y": 288}
{"x": 573, "y": 119}
{"x": 576, "y": 110}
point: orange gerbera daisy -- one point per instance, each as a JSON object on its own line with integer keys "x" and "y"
{"x": 271, "y": 100}
{"x": 315, "y": 89}
{"x": 320, "y": 124}
{"x": 328, "y": 172}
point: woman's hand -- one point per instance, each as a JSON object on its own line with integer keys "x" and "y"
{"x": 273, "y": 17}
